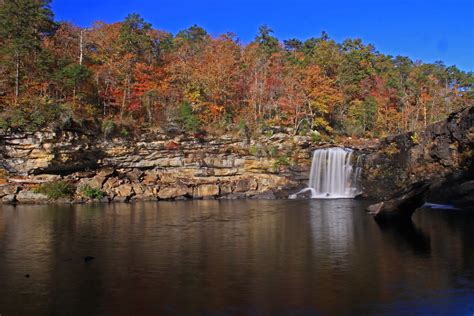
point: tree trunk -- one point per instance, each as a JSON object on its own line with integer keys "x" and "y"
{"x": 81, "y": 47}
{"x": 123, "y": 103}
{"x": 17, "y": 78}
{"x": 424, "y": 115}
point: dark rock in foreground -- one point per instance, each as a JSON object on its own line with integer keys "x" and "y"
{"x": 442, "y": 153}
{"x": 401, "y": 205}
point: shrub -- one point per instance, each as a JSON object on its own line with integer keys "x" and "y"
{"x": 124, "y": 132}
{"x": 315, "y": 136}
{"x": 92, "y": 193}
{"x": 268, "y": 133}
{"x": 272, "y": 151}
{"x": 56, "y": 189}
{"x": 282, "y": 161}
{"x": 242, "y": 125}
{"x": 30, "y": 116}
{"x": 253, "y": 150}
{"x": 188, "y": 119}
{"x": 108, "y": 127}
{"x": 18, "y": 119}
{"x": 3, "y": 123}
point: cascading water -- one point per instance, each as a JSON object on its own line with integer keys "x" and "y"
{"x": 333, "y": 175}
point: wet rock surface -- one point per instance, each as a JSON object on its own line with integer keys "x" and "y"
{"x": 401, "y": 205}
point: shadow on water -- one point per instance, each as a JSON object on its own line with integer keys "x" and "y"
{"x": 405, "y": 235}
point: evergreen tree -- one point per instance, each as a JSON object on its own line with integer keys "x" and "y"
{"x": 134, "y": 36}
{"x": 267, "y": 42}
{"x": 23, "y": 23}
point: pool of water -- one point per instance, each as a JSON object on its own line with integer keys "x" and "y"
{"x": 233, "y": 258}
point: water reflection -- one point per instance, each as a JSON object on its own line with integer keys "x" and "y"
{"x": 405, "y": 234}
{"x": 230, "y": 258}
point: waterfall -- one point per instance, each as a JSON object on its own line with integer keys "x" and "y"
{"x": 333, "y": 175}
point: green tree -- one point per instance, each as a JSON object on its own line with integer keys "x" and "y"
{"x": 23, "y": 23}
{"x": 293, "y": 44}
{"x": 134, "y": 35}
{"x": 194, "y": 34}
{"x": 72, "y": 76}
{"x": 135, "y": 45}
{"x": 267, "y": 42}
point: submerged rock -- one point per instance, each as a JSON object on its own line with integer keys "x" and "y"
{"x": 306, "y": 193}
{"x": 401, "y": 205}
{"x": 268, "y": 195}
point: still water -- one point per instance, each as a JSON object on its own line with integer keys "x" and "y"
{"x": 233, "y": 258}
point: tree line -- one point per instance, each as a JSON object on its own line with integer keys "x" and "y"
{"x": 133, "y": 74}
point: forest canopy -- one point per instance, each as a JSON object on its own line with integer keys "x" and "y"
{"x": 130, "y": 73}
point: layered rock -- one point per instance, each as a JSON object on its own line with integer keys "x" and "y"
{"x": 156, "y": 166}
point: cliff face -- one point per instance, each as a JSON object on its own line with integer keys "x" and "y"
{"x": 442, "y": 153}
{"x": 157, "y": 166}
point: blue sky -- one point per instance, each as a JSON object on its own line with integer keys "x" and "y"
{"x": 428, "y": 30}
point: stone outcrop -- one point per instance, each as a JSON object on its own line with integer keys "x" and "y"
{"x": 401, "y": 205}
{"x": 441, "y": 154}
{"x": 160, "y": 166}
{"x": 29, "y": 197}
{"x": 155, "y": 165}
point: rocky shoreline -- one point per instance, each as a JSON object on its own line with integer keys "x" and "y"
{"x": 160, "y": 165}
{"x": 155, "y": 167}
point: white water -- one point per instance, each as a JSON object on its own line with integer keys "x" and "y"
{"x": 332, "y": 174}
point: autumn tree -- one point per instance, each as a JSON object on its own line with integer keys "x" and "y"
{"x": 23, "y": 23}
{"x": 130, "y": 72}
{"x": 134, "y": 45}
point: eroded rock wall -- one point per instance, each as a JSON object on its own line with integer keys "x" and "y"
{"x": 159, "y": 166}
{"x": 156, "y": 166}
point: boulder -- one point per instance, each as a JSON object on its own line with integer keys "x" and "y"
{"x": 244, "y": 185}
{"x": 139, "y": 189}
{"x": 150, "y": 177}
{"x": 135, "y": 175}
{"x": 111, "y": 184}
{"x": 173, "y": 192}
{"x": 233, "y": 196}
{"x": 106, "y": 172}
{"x": 401, "y": 205}
{"x": 95, "y": 182}
{"x": 206, "y": 190}
{"x": 124, "y": 190}
{"x": 105, "y": 199}
{"x": 226, "y": 188}
{"x": 9, "y": 199}
{"x": 7, "y": 189}
{"x": 46, "y": 177}
{"x": 467, "y": 188}
{"x": 305, "y": 193}
{"x": 29, "y": 197}
{"x": 122, "y": 199}
{"x": 268, "y": 195}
